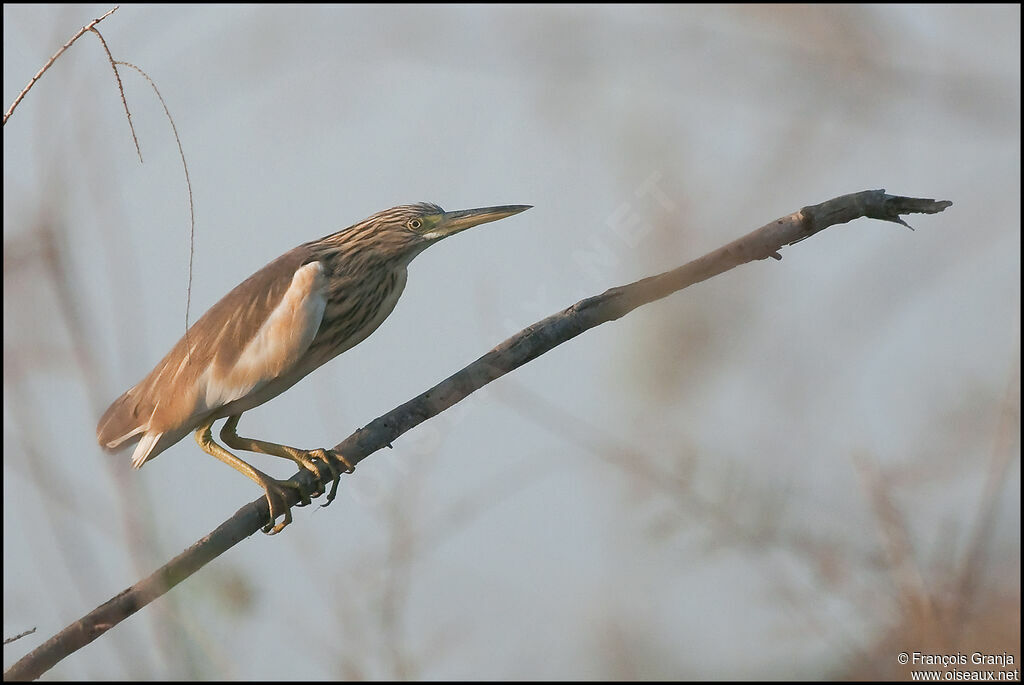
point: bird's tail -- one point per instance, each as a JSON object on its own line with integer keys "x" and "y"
{"x": 125, "y": 422}
{"x": 121, "y": 423}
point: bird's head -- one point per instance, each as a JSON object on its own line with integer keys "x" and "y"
{"x": 430, "y": 222}
{"x": 400, "y": 233}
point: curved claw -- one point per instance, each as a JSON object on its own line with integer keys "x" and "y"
{"x": 324, "y": 456}
{"x": 308, "y": 461}
{"x": 318, "y": 459}
{"x": 333, "y": 458}
{"x": 277, "y": 499}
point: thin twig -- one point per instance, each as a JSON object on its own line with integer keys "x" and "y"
{"x": 120, "y": 88}
{"x": 9, "y": 640}
{"x": 191, "y": 204}
{"x": 49, "y": 63}
{"x": 521, "y": 348}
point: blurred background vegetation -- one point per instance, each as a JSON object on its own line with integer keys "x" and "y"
{"x": 796, "y": 470}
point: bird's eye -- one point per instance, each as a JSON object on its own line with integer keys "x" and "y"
{"x": 415, "y": 224}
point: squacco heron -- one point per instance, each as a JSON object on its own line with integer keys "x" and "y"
{"x": 299, "y": 311}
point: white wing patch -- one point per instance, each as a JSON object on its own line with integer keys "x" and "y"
{"x": 142, "y": 450}
{"x": 276, "y": 347}
{"x": 115, "y": 443}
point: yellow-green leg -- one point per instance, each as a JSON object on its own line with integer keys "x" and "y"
{"x": 307, "y": 459}
{"x": 277, "y": 496}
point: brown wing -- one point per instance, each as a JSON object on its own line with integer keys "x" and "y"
{"x": 253, "y": 333}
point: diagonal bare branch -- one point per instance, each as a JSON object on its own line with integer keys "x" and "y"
{"x": 524, "y": 346}
{"x": 56, "y": 55}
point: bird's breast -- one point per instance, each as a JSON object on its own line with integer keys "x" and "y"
{"x": 354, "y": 309}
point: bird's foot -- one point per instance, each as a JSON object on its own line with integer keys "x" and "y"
{"x": 277, "y": 499}
{"x": 317, "y": 463}
{"x": 336, "y": 463}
